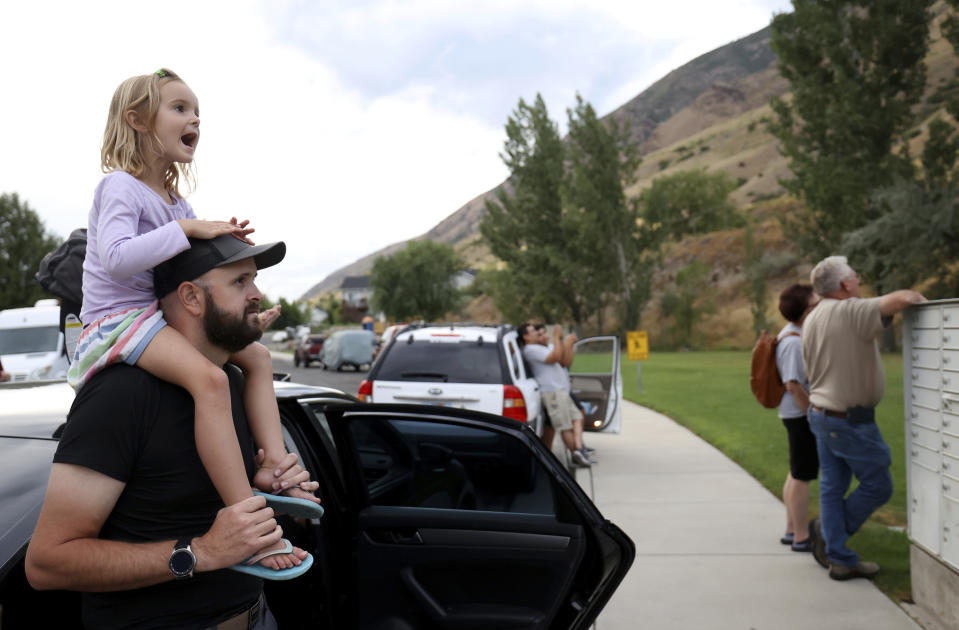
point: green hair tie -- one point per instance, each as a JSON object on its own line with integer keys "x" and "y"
{"x": 161, "y": 73}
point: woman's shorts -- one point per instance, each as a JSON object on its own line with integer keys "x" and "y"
{"x": 561, "y": 409}
{"x": 120, "y": 337}
{"x": 803, "y": 457}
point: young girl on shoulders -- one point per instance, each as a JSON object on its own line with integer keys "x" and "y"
{"x": 138, "y": 220}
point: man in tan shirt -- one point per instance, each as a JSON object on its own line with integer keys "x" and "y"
{"x": 846, "y": 382}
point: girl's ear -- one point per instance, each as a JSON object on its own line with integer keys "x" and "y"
{"x": 133, "y": 119}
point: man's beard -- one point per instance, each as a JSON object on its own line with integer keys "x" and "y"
{"x": 227, "y": 331}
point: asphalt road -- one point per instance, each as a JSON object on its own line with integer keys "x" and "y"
{"x": 346, "y": 381}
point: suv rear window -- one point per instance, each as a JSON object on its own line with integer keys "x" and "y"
{"x": 446, "y": 362}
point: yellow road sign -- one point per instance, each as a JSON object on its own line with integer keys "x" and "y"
{"x": 637, "y": 345}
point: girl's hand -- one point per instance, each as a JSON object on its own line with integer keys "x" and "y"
{"x": 267, "y": 317}
{"x": 198, "y": 228}
{"x": 243, "y": 230}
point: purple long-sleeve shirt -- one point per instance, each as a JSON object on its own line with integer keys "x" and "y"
{"x": 132, "y": 229}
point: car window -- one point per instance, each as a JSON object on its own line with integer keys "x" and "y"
{"x": 594, "y": 356}
{"x": 516, "y": 363}
{"x": 446, "y": 362}
{"x": 414, "y": 463}
{"x": 26, "y": 340}
{"x": 316, "y": 410}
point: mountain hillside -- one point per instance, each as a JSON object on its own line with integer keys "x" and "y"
{"x": 709, "y": 89}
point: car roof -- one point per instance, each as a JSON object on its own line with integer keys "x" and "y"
{"x": 454, "y": 332}
{"x": 34, "y": 409}
{"x": 286, "y": 389}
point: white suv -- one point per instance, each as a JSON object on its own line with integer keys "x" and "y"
{"x": 471, "y": 366}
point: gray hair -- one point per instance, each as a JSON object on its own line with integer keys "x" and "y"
{"x": 828, "y": 273}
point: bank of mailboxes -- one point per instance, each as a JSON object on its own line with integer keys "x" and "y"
{"x": 931, "y": 390}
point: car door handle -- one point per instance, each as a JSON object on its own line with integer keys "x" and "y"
{"x": 405, "y": 536}
{"x": 449, "y": 617}
{"x": 400, "y": 536}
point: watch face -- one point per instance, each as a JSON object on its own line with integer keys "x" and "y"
{"x": 182, "y": 562}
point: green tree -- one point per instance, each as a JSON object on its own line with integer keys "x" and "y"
{"x": 856, "y": 70}
{"x": 689, "y": 202}
{"x": 756, "y": 286}
{"x": 291, "y": 315}
{"x": 417, "y": 281}
{"x": 687, "y": 300}
{"x": 24, "y": 241}
{"x": 525, "y": 228}
{"x": 612, "y": 246}
{"x": 917, "y": 236}
{"x": 333, "y": 307}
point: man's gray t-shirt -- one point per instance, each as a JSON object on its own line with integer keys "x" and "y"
{"x": 550, "y": 376}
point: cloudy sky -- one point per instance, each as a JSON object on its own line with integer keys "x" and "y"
{"x": 338, "y": 126}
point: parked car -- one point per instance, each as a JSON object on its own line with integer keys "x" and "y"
{"x": 308, "y": 350}
{"x": 435, "y": 518}
{"x": 480, "y": 367}
{"x": 348, "y": 347}
{"x": 31, "y": 343}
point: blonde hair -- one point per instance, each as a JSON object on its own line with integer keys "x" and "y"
{"x": 124, "y": 147}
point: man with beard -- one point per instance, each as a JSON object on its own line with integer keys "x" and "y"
{"x": 130, "y": 517}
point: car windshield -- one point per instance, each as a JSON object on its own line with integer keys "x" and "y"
{"x": 463, "y": 362}
{"x": 27, "y": 340}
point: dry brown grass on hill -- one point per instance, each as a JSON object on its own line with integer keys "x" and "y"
{"x": 482, "y": 310}
{"x": 731, "y": 325}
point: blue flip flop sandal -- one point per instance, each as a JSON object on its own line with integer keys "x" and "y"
{"x": 250, "y": 566}
{"x": 301, "y": 508}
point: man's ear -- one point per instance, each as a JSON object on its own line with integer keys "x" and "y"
{"x": 133, "y": 119}
{"x": 191, "y": 297}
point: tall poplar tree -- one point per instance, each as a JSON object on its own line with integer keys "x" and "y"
{"x": 856, "y": 69}
{"x": 612, "y": 244}
{"x": 525, "y": 226}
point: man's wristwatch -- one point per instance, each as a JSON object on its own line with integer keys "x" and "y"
{"x": 182, "y": 560}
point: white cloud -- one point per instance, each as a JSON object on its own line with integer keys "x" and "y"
{"x": 337, "y": 127}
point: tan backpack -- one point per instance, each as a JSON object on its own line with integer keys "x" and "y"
{"x": 764, "y": 377}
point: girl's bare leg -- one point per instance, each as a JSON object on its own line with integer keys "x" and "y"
{"x": 171, "y": 357}
{"x": 263, "y": 415}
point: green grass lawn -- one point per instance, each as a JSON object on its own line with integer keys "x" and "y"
{"x": 708, "y": 392}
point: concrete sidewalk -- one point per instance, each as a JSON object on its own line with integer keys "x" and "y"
{"x": 707, "y": 542}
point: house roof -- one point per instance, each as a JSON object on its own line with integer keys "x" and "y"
{"x": 356, "y": 282}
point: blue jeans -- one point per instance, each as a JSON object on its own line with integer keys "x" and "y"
{"x": 847, "y": 449}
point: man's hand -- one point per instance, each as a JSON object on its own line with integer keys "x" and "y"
{"x": 239, "y": 531}
{"x": 898, "y": 301}
{"x": 267, "y": 317}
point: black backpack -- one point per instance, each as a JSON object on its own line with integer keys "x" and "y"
{"x": 61, "y": 273}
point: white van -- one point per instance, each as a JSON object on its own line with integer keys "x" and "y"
{"x": 31, "y": 344}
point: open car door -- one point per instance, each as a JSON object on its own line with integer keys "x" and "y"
{"x": 597, "y": 383}
{"x": 465, "y": 520}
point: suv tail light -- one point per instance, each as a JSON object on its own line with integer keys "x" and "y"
{"x": 514, "y": 405}
{"x": 365, "y": 393}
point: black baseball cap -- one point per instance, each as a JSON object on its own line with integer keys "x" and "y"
{"x": 207, "y": 253}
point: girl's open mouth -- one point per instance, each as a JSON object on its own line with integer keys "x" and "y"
{"x": 189, "y": 139}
